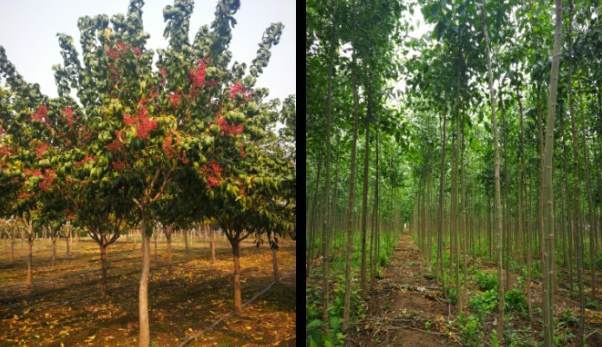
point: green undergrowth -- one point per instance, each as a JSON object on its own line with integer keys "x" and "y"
{"x": 330, "y": 333}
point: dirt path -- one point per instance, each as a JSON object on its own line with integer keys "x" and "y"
{"x": 405, "y": 308}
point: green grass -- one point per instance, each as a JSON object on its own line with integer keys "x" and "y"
{"x": 315, "y": 327}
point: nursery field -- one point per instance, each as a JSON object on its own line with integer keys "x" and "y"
{"x": 453, "y": 173}
{"x": 65, "y": 305}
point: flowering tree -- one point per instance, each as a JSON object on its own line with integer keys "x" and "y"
{"x": 139, "y": 144}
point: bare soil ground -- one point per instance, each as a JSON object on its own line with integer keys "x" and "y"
{"x": 66, "y": 308}
{"x": 405, "y": 308}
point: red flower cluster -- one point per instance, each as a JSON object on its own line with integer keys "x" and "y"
{"x": 68, "y": 112}
{"x": 229, "y": 129}
{"x": 238, "y": 88}
{"x": 137, "y": 52}
{"x": 32, "y": 172}
{"x": 86, "y": 159}
{"x": 41, "y": 149}
{"x": 213, "y": 173}
{"x": 47, "y": 180}
{"x": 41, "y": 114}
{"x": 174, "y": 99}
{"x": 118, "y": 165}
{"x": 114, "y": 146}
{"x": 5, "y": 151}
{"x": 168, "y": 149}
{"x": 120, "y": 49}
{"x": 197, "y": 75}
{"x": 144, "y": 125}
{"x": 24, "y": 195}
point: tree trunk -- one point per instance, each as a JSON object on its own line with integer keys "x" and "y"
{"x": 30, "y": 262}
{"x": 68, "y": 243}
{"x": 186, "y": 240}
{"x": 168, "y": 237}
{"x": 103, "y": 265}
{"x": 454, "y": 256}
{"x": 365, "y": 202}
{"x": 441, "y": 202}
{"x": 53, "y": 239}
{"x": 576, "y": 190}
{"x": 498, "y": 202}
{"x": 144, "y": 336}
{"x": 236, "y": 276}
{"x": 521, "y": 205}
{"x": 275, "y": 271}
{"x": 156, "y": 236}
{"x": 12, "y": 248}
{"x": 350, "y": 201}
{"x": 212, "y": 244}
{"x": 313, "y": 223}
{"x": 547, "y": 179}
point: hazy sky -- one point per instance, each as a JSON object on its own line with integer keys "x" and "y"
{"x": 28, "y": 33}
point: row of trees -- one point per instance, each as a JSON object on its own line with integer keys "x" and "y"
{"x": 126, "y": 144}
{"x": 514, "y": 91}
{"x": 350, "y": 64}
{"x": 483, "y": 134}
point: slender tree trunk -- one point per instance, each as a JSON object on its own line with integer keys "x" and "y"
{"x": 274, "y": 247}
{"x": 327, "y": 192}
{"x": 350, "y": 201}
{"x": 53, "y": 240}
{"x": 30, "y": 261}
{"x": 521, "y": 204}
{"x": 185, "y": 232}
{"x": 441, "y": 201}
{"x": 576, "y": 191}
{"x": 68, "y": 242}
{"x": 590, "y": 215}
{"x": 144, "y": 334}
{"x": 548, "y": 188}
{"x": 365, "y": 196}
{"x": 498, "y": 202}
{"x": 156, "y": 236}
{"x": 12, "y": 248}
{"x": 212, "y": 244}
{"x": 103, "y": 265}
{"x": 168, "y": 232}
{"x": 453, "y": 211}
{"x": 313, "y": 226}
{"x": 236, "y": 275}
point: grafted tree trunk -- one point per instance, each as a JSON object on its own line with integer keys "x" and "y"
{"x": 236, "y": 276}
{"x": 274, "y": 246}
{"x": 103, "y": 265}
{"x": 144, "y": 334}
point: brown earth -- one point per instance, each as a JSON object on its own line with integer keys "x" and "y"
{"x": 66, "y": 308}
{"x": 405, "y": 308}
